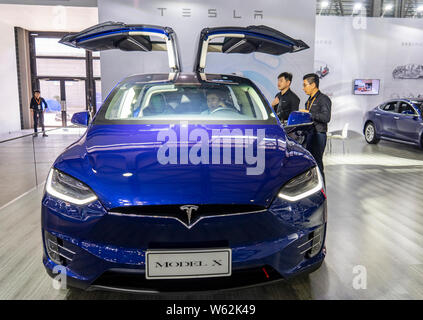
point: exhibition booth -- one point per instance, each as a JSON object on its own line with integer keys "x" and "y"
{"x": 165, "y": 166}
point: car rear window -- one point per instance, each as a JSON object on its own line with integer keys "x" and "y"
{"x": 134, "y": 101}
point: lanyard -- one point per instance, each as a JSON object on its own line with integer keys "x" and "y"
{"x": 38, "y": 101}
{"x": 312, "y": 101}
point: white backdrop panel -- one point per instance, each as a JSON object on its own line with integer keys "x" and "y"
{"x": 187, "y": 18}
{"x": 371, "y": 53}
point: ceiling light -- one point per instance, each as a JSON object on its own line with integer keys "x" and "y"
{"x": 358, "y": 6}
{"x": 389, "y": 7}
{"x": 324, "y": 4}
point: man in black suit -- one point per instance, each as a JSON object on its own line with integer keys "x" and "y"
{"x": 286, "y": 101}
{"x": 319, "y": 106}
{"x": 38, "y": 106}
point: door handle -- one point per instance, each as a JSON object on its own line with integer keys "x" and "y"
{"x": 396, "y": 118}
{"x": 378, "y": 114}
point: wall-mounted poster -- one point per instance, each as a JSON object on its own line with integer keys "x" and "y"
{"x": 409, "y": 71}
{"x": 366, "y": 87}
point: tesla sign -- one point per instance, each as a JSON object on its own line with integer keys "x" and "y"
{"x": 212, "y": 13}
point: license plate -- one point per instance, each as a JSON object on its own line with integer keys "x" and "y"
{"x": 185, "y": 264}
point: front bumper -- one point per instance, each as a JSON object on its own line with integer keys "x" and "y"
{"x": 133, "y": 280}
{"x": 104, "y": 251}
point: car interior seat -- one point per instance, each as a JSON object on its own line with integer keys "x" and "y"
{"x": 157, "y": 106}
{"x": 193, "y": 103}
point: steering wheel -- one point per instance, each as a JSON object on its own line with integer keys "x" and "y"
{"x": 224, "y": 109}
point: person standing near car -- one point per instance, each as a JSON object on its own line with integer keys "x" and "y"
{"x": 286, "y": 101}
{"x": 38, "y": 106}
{"x": 319, "y": 106}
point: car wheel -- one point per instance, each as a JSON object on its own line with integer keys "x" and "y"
{"x": 370, "y": 133}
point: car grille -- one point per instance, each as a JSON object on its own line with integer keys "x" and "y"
{"x": 177, "y": 211}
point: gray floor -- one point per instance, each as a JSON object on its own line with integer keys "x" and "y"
{"x": 18, "y": 171}
{"x": 375, "y": 221}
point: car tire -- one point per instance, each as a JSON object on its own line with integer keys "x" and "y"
{"x": 370, "y": 133}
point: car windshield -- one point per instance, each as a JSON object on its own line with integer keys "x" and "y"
{"x": 135, "y": 101}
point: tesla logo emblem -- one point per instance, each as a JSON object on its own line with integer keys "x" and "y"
{"x": 188, "y": 209}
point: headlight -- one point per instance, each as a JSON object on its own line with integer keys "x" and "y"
{"x": 69, "y": 189}
{"x": 302, "y": 186}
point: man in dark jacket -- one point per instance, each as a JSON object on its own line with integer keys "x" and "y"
{"x": 319, "y": 106}
{"x": 286, "y": 101}
{"x": 38, "y": 105}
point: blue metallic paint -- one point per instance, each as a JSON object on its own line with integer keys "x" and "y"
{"x": 104, "y": 241}
{"x": 101, "y": 157}
{"x": 267, "y": 238}
{"x": 407, "y": 129}
{"x": 122, "y": 30}
{"x": 81, "y": 118}
{"x": 298, "y": 117}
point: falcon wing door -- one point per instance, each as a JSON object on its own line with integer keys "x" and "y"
{"x": 127, "y": 37}
{"x": 244, "y": 40}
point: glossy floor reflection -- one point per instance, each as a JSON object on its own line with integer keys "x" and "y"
{"x": 26, "y": 160}
{"x": 375, "y": 214}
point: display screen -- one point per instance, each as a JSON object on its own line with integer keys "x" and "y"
{"x": 364, "y": 86}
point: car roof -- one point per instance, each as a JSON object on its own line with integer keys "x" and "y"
{"x": 412, "y": 100}
{"x": 187, "y": 78}
{"x": 418, "y": 100}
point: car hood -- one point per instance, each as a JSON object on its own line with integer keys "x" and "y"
{"x": 124, "y": 164}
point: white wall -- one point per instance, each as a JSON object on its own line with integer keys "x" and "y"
{"x": 48, "y": 18}
{"x": 295, "y": 18}
{"x": 9, "y": 108}
{"x": 350, "y": 53}
{"x": 34, "y": 18}
{"x": 370, "y": 53}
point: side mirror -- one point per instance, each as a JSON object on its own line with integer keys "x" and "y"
{"x": 298, "y": 118}
{"x": 299, "y": 126}
{"x": 81, "y": 118}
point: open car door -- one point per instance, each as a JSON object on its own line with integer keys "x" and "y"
{"x": 244, "y": 40}
{"x": 127, "y": 37}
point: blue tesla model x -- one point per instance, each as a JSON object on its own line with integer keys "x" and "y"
{"x": 395, "y": 120}
{"x": 183, "y": 181}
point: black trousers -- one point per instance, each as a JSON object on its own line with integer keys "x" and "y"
{"x": 38, "y": 119}
{"x": 316, "y": 144}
